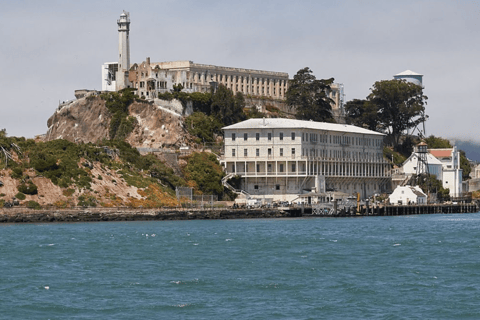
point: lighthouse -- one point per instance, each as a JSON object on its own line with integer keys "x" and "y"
{"x": 123, "y": 51}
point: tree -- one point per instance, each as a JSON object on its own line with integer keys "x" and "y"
{"x": 227, "y": 107}
{"x": 400, "y": 105}
{"x": 309, "y": 96}
{"x": 207, "y": 173}
{"x": 362, "y": 114}
{"x": 437, "y": 143}
{"x": 465, "y": 166}
{"x": 203, "y": 127}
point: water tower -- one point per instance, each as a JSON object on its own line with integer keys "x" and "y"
{"x": 422, "y": 162}
{"x": 410, "y": 76}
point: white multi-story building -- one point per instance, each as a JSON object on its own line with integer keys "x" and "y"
{"x": 444, "y": 164}
{"x": 283, "y": 158}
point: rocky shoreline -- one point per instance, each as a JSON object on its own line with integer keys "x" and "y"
{"x": 23, "y": 215}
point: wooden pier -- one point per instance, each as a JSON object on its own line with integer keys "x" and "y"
{"x": 387, "y": 210}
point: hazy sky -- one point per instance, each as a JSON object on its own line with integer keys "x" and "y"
{"x": 50, "y": 48}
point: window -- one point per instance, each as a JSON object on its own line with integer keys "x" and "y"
{"x": 257, "y": 136}
{"x": 269, "y": 136}
{"x": 245, "y": 152}
{"x": 281, "y": 135}
{"x": 269, "y": 167}
{"x": 281, "y": 152}
{"x": 257, "y": 152}
{"x": 258, "y": 167}
{"x": 269, "y": 151}
{"x": 233, "y": 136}
{"x": 281, "y": 167}
{"x": 233, "y": 152}
{"x": 245, "y": 136}
{"x": 293, "y": 151}
{"x": 294, "y": 167}
{"x": 277, "y": 187}
{"x": 293, "y": 135}
{"x": 255, "y": 187}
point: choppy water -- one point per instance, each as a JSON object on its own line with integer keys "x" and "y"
{"x": 411, "y": 267}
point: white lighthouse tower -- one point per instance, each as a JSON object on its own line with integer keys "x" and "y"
{"x": 123, "y": 51}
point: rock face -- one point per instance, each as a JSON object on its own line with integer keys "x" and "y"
{"x": 84, "y": 120}
{"x": 88, "y": 119}
{"x": 157, "y": 127}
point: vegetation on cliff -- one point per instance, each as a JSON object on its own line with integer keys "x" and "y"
{"x": 87, "y": 173}
{"x": 121, "y": 124}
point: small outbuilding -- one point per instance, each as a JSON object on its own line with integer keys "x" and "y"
{"x": 408, "y": 195}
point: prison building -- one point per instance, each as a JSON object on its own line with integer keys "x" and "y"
{"x": 284, "y": 158}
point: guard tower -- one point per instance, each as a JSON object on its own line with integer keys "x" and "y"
{"x": 422, "y": 162}
{"x": 123, "y": 51}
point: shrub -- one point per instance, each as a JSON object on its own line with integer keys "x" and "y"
{"x": 68, "y": 192}
{"x": 17, "y": 173}
{"x": 29, "y": 188}
{"x": 33, "y": 205}
{"x": 20, "y": 196}
{"x": 87, "y": 201}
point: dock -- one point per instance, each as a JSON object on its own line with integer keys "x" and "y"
{"x": 384, "y": 210}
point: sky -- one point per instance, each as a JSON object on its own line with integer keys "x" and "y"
{"x": 51, "y": 48}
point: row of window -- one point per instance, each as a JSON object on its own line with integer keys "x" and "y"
{"x": 257, "y": 152}
{"x": 323, "y": 138}
{"x": 341, "y": 140}
{"x": 257, "y": 136}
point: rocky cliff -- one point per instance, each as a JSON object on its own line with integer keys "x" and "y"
{"x": 88, "y": 119}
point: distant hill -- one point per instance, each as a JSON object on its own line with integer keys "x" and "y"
{"x": 471, "y": 148}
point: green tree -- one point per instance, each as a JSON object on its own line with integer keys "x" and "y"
{"x": 431, "y": 184}
{"x": 362, "y": 114}
{"x": 465, "y": 166}
{"x": 400, "y": 105}
{"x": 203, "y": 127}
{"x": 207, "y": 173}
{"x": 227, "y": 107}
{"x": 437, "y": 143}
{"x": 309, "y": 96}
{"x": 201, "y": 102}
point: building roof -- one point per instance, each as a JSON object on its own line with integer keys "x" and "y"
{"x": 441, "y": 153}
{"x": 408, "y": 73}
{"x": 418, "y": 192}
{"x": 283, "y": 123}
{"x": 415, "y": 189}
{"x": 431, "y": 159}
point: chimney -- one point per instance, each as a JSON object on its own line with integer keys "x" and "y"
{"x": 148, "y": 60}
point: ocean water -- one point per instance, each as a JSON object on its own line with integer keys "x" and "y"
{"x": 408, "y": 267}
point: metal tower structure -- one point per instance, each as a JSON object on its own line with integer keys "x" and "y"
{"x": 422, "y": 161}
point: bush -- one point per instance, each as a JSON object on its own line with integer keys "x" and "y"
{"x": 87, "y": 201}
{"x": 17, "y": 173}
{"x": 29, "y": 188}
{"x": 20, "y": 196}
{"x": 33, "y": 205}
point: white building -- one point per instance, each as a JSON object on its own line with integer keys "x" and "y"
{"x": 408, "y": 195}
{"x": 282, "y": 158}
{"x": 434, "y": 165}
{"x": 452, "y": 174}
{"x": 444, "y": 164}
{"x": 153, "y": 78}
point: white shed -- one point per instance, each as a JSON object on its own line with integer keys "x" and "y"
{"x": 408, "y": 195}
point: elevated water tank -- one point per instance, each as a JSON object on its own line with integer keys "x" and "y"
{"x": 410, "y": 76}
